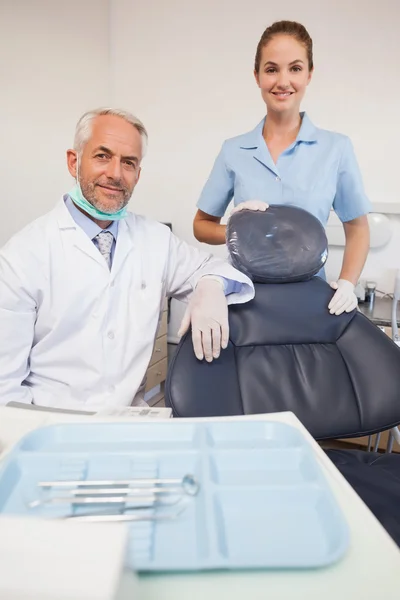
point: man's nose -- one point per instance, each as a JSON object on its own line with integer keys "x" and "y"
{"x": 114, "y": 169}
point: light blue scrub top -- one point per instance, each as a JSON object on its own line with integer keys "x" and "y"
{"x": 317, "y": 172}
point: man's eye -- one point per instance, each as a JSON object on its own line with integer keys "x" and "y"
{"x": 101, "y": 156}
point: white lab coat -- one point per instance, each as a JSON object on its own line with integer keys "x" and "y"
{"x": 72, "y": 333}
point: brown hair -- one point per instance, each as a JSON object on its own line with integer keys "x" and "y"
{"x": 296, "y": 30}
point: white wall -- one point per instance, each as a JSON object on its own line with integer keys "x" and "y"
{"x": 54, "y": 65}
{"x": 192, "y": 84}
{"x": 185, "y": 68}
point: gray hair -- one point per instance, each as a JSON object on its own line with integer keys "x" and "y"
{"x": 83, "y": 129}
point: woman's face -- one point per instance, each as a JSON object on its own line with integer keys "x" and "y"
{"x": 283, "y": 74}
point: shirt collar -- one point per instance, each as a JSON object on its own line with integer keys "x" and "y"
{"x": 89, "y": 227}
{"x": 308, "y": 133}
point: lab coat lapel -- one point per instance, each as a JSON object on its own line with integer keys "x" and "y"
{"x": 124, "y": 246}
{"x": 76, "y": 236}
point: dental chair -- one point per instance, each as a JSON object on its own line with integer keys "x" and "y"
{"x": 340, "y": 375}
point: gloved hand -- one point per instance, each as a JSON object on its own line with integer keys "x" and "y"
{"x": 250, "y": 205}
{"x": 207, "y": 311}
{"x": 345, "y": 299}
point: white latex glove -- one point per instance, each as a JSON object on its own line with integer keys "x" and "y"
{"x": 250, "y": 205}
{"x": 345, "y": 299}
{"x": 207, "y": 311}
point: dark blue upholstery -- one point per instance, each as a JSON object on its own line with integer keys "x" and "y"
{"x": 339, "y": 374}
{"x": 376, "y": 479}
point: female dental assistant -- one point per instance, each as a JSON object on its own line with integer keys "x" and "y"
{"x": 286, "y": 159}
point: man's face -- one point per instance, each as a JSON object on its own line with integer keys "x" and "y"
{"x": 109, "y": 167}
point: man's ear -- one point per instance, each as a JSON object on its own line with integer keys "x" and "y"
{"x": 72, "y": 162}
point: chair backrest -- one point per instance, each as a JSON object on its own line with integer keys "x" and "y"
{"x": 339, "y": 374}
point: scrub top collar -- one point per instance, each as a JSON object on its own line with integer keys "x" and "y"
{"x": 308, "y": 134}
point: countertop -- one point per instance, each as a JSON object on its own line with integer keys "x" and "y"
{"x": 381, "y": 311}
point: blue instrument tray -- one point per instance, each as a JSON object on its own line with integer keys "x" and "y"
{"x": 263, "y": 500}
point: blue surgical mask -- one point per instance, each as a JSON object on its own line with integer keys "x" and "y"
{"x": 78, "y": 198}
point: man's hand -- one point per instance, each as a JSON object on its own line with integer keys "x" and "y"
{"x": 207, "y": 311}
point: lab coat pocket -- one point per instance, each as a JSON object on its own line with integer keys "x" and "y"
{"x": 148, "y": 299}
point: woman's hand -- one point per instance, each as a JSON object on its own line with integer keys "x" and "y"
{"x": 344, "y": 299}
{"x": 250, "y": 205}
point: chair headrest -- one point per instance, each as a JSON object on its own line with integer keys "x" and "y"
{"x": 280, "y": 245}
